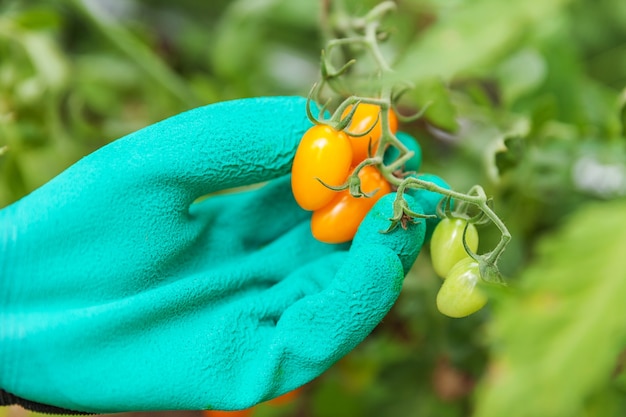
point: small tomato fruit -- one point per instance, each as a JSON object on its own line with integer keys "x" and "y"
{"x": 366, "y": 116}
{"x": 446, "y": 244}
{"x": 338, "y": 221}
{"x": 459, "y": 295}
{"x": 323, "y": 153}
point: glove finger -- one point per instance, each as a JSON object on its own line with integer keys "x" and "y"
{"x": 326, "y": 322}
{"x": 405, "y": 243}
{"x": 236, "y": 274}
{"x": 325, "y": 309}
{"x": 330, "y": 271}
{"x": 204, "y": 150}
{"x": 248, "y": 220}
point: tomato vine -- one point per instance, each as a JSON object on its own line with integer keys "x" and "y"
{"x": 365, "y": 109}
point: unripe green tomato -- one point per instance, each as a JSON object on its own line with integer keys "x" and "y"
{"x": 459, "y": 295}
{"x": 446, "y": 244}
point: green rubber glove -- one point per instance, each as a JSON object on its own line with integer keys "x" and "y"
{"x": 119, "y": 291}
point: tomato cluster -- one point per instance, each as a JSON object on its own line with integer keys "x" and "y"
{"x": 366, "y": 117}
{"x": 459, "y": 295}
{"x": 328, "y": 156}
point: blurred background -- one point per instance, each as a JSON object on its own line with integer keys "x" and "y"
{"x": 527, "y": 99}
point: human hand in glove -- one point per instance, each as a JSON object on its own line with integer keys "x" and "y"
{"x": 120, "y": 290}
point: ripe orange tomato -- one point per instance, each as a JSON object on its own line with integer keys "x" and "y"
{"x": 323, "y": 153}
{"x": 338, "y": 221}
{"x": 364, "y": 117}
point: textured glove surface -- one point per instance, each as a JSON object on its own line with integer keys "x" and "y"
{"x": 120, "y": 291}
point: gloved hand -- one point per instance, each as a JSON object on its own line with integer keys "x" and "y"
{"x": 119, "y": 292}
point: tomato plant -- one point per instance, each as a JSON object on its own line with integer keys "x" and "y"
{"x": 338, "y": 221}
{"x": 530, "y": 99}
{"x": 366, "y": 117}
{"x": 429, "y": 200}
{"x": 446, "y": 244}
{"x": 392, "y": 153}
{"x": 459, "y": 295}
{"x": 323, "y": 154}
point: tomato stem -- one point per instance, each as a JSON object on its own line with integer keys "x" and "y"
{"x": 477, "y": 197}
{"x": 405, "y": 155}
{"x": 364, "y": 34}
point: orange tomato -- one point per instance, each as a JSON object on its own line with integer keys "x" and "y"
{"x": 323, "y": 153}
{"x": 363, "y": 119}
{"x": 338, "y": 221}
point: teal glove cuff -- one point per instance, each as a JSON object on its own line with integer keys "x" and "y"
{"x": 119, "y": 293}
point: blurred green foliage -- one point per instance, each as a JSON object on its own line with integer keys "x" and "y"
{"x": 573, "y": 311}
{"x": 527, "y": 99}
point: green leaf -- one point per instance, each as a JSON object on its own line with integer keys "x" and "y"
{"x": 510, "y": 157}
{"x": 325, "y": 402}
{"x": 47, "y": 58}
{"x": 558, "y": 336}
{"x": 521, "y": 73}
{"x": 433, "y": 95}
{"x": 240, "y": 39}
{"x": 472, "y": 35}
{"x": 39, "y": 17}
{"x": 140, "y": 53}
{"x": 622, "y": 112}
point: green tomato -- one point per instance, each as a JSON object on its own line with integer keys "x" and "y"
{"x": 446, "y": 244}
{"x": 459, "y": 295}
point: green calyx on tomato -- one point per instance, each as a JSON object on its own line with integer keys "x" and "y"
{"x": 338, "y": 221}
{"x": 366, "y": 119}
